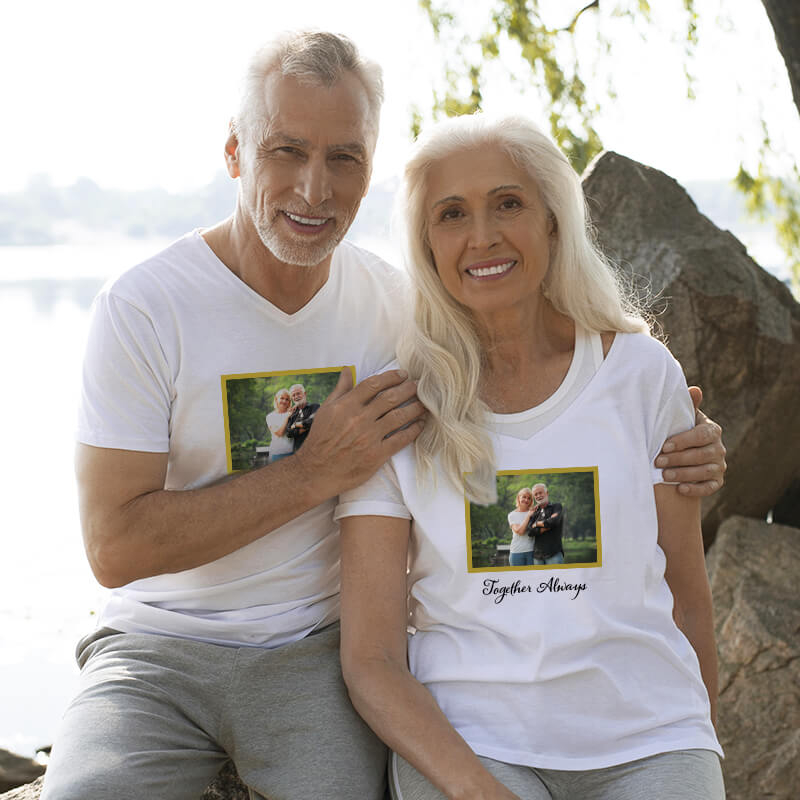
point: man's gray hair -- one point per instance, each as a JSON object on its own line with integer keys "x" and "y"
{"x": 318, "y": 58}
{"x": 297, "y": 386}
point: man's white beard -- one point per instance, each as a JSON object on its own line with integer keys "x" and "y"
{"x": 296, "y": 252}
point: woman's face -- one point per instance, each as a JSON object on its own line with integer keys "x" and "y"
{"x": 524, "y": 500}
{"x": 283, "y": 402}
{"x": 488, "y": 229}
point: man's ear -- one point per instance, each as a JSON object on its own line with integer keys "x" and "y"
{"x": 232, "y": 152}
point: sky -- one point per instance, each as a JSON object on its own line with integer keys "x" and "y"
{"x": 139, "y": 95}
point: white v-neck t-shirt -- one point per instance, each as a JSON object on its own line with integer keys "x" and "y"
{"x": 166, "y": 339}
{"x": 562, "y": 667}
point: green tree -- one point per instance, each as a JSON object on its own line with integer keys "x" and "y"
{"x": 551, "y": 63}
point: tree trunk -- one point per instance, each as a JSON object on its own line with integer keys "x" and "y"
{"x": 784, "y": 15}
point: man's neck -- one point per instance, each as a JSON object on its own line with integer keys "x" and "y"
{"x": 289, "y": 287}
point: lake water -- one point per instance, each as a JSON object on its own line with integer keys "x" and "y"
{"x": 48, "y": 595}
{"x": 47, "y": 592}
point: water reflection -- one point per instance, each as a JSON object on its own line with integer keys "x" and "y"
{"x": 46, "y": 293}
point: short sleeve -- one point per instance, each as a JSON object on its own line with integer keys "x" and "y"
{"x": 126, "y": 391}
{"x": 675, "y": 413}
{"x": 380, "y": 496}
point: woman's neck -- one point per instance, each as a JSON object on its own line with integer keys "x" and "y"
{"x": 526, "y": 357}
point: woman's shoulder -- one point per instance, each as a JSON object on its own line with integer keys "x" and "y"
{"x": 641, "y": 345}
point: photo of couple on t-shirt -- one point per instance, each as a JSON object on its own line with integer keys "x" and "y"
{"x": 268, "y": 415}
{"x": 539, "y": 516}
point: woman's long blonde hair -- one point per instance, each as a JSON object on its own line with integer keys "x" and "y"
{"x": 441, "y": 349}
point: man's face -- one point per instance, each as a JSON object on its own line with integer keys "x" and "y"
{"x": 540, "y": 495}
{"x": 299, "y": 397}
{"x": 304, "y": 176}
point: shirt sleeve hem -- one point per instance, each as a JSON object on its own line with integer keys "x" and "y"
{"x": 117, "y": 443}
{"x": 371, "y": 508}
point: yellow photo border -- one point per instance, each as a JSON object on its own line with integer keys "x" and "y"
{"x": 243, "y": 376}
{"x": 590, "y": 565}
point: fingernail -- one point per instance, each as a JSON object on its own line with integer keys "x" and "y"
{"x": 669, "y": 474}
{"x": 668, "y": 447}
{"x": 662, "y": 461}
{"x": 713, "y": 486}
{"x": 402, "y": 374}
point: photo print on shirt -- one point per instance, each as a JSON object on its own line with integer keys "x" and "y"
{"x": 561, "y": 532}
{"x": 268, "y": 415}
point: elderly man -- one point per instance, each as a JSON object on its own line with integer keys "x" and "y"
{"x": 220, "y": 637}
{"x": 545, "y": 526}
{"x": 299, "y": 423}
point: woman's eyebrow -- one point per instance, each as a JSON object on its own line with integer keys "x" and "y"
{"x": 453, "y": 198}
{"x": 505, "y": 187}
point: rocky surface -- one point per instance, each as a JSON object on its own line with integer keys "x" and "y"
{"x": 754, "y": 569}
{"x": 226, "y": 786}
{"x": 733, "y": 326}
{"x": 30, "y": 791}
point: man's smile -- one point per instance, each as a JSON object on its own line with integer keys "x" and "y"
{"x": 305, "y": 224}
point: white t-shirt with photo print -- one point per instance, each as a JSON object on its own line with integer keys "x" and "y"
{"x": 162, "y": 337}
{"x": 567, "y": 667}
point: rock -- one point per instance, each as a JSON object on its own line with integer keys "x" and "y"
{"x": 226, "y": 786}
{"x": 733, "y": 326}
{"x": 754, "y": 568}
{"x": 16, "y": 770}
{"x": 30, "y": 791}
{"x": 787, "y": 510}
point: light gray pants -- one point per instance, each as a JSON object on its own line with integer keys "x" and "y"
{"x": 157, "y": 717}
{"x": 681, "y": 775}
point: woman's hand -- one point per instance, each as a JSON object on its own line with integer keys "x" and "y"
{"x": 519, "y": 530}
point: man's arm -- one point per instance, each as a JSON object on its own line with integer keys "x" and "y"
{"x": 695, "y": 459}
{"x": 133, "y": 528}
{"x": 548, "y": 523}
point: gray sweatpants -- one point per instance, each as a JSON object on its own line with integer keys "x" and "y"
{"x": 679, "y": 775}
{"x": 157, "y": 717}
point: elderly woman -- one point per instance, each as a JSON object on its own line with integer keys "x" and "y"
{"x": 521, "y": 552}
{"x": 528, "y": 357}
{"x": 280, "y": 444}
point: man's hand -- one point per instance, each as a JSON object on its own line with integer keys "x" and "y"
{"x": 358, "y": 428}
{"x": 695, "y": 458}
{"x": 134, "y": 528}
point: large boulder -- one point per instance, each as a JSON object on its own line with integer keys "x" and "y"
{"x": 734, "y": 327}
{"x": 754, "y": 567}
